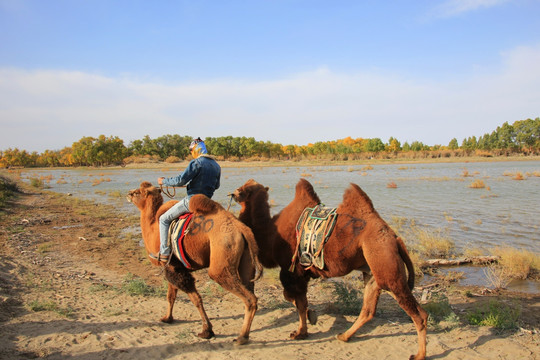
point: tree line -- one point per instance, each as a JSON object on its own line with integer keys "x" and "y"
{"x": 521, "y": 137}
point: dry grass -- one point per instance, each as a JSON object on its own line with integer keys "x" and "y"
{"x": 472, "y": 252}
{"x": 427, "y": 243}
{"x": 173, "y": 159}
{"x": 435, "y": 244}
{"x": 519, "y": 176}
{"x": 516, "y": 176}
{"x": 498, "y": 276}
{"x": 518, "y": 264}
{"x": 483, "y": 153}
{"x": 96, "y": 182}
{"x": 477, "y": 184}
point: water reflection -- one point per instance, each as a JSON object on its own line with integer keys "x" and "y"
{"x": 476, "y": 276}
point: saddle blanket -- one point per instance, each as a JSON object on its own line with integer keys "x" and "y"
{"x": 313, "y": 229}
{"x": 177, "y": 230}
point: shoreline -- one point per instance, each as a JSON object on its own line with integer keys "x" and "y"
{"x": 303, "y": 163}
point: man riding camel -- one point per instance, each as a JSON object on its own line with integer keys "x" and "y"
{"x": 202, "y": 176}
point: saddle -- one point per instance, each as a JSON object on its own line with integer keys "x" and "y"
{"x": 177, "y": 230}
{"x": 313, "y": 230}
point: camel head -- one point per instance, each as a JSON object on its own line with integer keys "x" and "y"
{"x": 248, "y": 191}
{"x": 146, "y": 192}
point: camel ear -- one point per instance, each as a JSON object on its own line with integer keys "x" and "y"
{"x": 266, "y": 188}
{"x": 145, "y": 184}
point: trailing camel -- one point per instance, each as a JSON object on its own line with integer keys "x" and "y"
{"x": 361, "y": 240}
{"x": 215, "y": 240}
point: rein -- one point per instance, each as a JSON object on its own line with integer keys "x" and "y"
{"x": 170, "y": 196}
{"x": 230, "y": 201}
{"x": 167, "y": 192}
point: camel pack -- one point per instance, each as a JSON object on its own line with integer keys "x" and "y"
{"x": 313, "y": 229}
{"x": 177, "y": 230}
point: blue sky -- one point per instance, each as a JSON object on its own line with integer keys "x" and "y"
{"x": 290, "y": 72}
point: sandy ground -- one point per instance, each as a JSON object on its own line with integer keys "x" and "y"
{"x": 73, "y": 258}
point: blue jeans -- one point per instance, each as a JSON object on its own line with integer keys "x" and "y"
{"x": 174, "y": 212}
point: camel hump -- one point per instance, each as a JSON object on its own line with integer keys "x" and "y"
{"x": 356, "y": 200}
{"x": 203, "y": 204}
{"x": 305, "y": 189}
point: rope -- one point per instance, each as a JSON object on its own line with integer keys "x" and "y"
{"x": 167, "y": 192}
{"x": 230, "y": 201}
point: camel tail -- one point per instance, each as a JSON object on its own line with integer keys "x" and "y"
{"x": 253, "y": 250}
{"x": 407, "y": 260}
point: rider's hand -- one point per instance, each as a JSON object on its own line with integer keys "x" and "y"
{"x": 160, "y": 180}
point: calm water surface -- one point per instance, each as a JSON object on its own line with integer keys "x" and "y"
{"x": 435, "y": 196}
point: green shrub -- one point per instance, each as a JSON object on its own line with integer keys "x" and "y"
{"x": 37, "y": 183}
{"x": 7, "y": 189}
{"x": 348, "y": 300}
{"x": 439, "y": 309}
{"x": 136, "y": 286}
{"x": 496, "y": 314}
{"x": 50, "y": 306}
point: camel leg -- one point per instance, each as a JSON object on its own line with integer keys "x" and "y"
{"x": 180, "y": 278}
{"x": 372, "y": 292}
{"x": 418, "y": 315}
{"x": 196, "y": 299}
{"x": 247, "y": 271}
{"x": 228, "y": 278}
{"x": 171, "y": 298}
{"x": 295, "y": 291}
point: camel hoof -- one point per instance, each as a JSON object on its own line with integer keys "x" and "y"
{"x": 167, "y": 319}
{"x": 241, "y": 340}
{"x": 342, "y": 337}
{"x": 206, "y": 334}
{"x": 296, "y": 336}
{"x": 312, "y": 317}
{"x": 415, "y": 357}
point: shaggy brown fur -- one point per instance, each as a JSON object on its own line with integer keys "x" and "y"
{"x": 216, "y": 240}
{"x": 361, "y": 240}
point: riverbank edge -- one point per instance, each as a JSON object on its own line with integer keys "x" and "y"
{"x": 303, "y": 163}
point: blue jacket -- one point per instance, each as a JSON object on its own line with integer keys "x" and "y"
{"x": 202, "y": 176}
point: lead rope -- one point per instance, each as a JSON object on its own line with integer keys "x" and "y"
{"x": 230, "y": 201}
{"x": 167, "y": 192}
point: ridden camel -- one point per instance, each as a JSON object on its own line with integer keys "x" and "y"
{"x": 361, "y": 240}
{"x": 216, "y": 240}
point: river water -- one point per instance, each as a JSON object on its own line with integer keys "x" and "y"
{"x": 436, "y": 196}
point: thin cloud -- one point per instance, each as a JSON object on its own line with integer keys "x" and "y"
{"x": 52, "y": 109}
{"x": 451, "y": 8}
